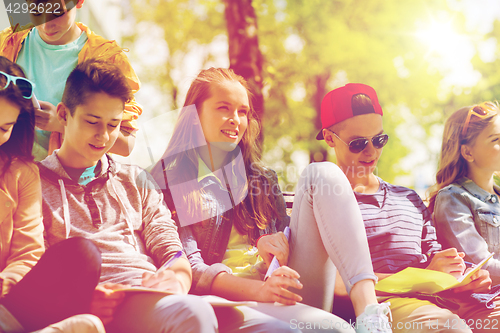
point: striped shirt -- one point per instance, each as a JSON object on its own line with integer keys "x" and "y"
{"x": 398, "y": 227}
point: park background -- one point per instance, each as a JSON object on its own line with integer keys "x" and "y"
{"x": 425, "y": 59}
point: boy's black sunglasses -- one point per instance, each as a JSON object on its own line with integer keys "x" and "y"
{"x": 359, "y": 144}
{"x": 25, "y": 86}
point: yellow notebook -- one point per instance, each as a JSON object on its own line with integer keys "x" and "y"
{"x": 418, "y": 280}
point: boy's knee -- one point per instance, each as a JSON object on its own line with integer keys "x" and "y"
{"x": 77, "y": 256}
{"x": 84, "y": 245}
{"x": 82, "y": 250}
{"x": 76, "y": 248}
{"x": 324, "y": 178}
{"x": 322, "y": 170}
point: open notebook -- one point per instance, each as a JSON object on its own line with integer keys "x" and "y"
{"x": 417, "y": 280}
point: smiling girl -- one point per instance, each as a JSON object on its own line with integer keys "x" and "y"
{"x": 466, "y": 202}
{"x": 231, "y": 210}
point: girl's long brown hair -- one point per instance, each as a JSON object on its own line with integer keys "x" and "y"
{"x": 452, "y": 165}
{"x": 180, "y": 159}
{"x": 20, "y": 144}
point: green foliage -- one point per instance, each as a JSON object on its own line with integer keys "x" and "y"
{"x": 347, "y": 41}
{"x": 185, "y": 24}
{"x": 310, "y": 46}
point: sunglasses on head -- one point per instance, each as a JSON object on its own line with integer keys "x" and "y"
{"x": 25, "y": 86}
{"x": 482, "y": 111}
{"x": 359, "y": 144}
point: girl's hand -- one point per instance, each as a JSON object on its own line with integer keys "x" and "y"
{"x": 448, "y": 261}
{"x": 166, "y": 280}
{"x": 274, "y": 245}
{"x": 274, "y": 289}
{"x": 481, "y": 282}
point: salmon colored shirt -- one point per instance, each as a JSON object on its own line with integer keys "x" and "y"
{"x": 21, "y": 228}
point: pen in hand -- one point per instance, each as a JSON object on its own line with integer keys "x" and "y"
{"x": 469, "y": 264}
{"x": 274, "y": 263}
{"x": 165, "y": 266}
{"x": 170, "y": 262}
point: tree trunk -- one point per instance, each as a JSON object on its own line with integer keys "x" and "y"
{"x": 245, "y": 57}
{"x": 320, "y": 84}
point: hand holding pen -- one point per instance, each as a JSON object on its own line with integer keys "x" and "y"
{"x": 164, "y": 279}
{"x": 279, "y": 278}
{"x": 274, "y": 265}
{"x": 169, "y": 262}
{"x": 276, "y": 287}
{"x": 469, "y": 264}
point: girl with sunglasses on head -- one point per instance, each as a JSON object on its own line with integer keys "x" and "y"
{"x": 466, "y": 199}
{"x": 231, "y": 214}
{"x": 34, "y": 295}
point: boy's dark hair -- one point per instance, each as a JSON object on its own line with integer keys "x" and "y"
{"x": 95, "y": 76}
{"x": 362, "y": 101}
{"x": 359, "y": 102}
{"x": 20, "y": 143}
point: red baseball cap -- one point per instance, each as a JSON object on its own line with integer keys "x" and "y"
{"x": 337, "y": 105}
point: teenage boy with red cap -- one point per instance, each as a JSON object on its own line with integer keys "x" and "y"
{"x": 326, "y": 215}
{"x": 397, "y": 223}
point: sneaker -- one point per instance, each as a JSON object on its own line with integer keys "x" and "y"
{"x": 375, "y": 319}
